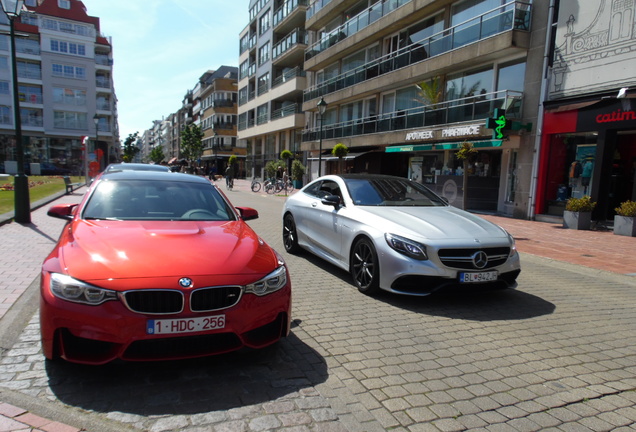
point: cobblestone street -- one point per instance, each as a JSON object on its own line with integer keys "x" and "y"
{"x": 558, "y": 353}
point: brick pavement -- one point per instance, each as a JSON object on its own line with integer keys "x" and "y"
{"x": 594, "y": 249}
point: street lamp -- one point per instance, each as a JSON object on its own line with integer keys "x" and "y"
{"x": 96, "y": 121}
{"x": 22, "y": 214}
{"x": 322, "y": 107}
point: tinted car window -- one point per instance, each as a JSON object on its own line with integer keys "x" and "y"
{"x": 144, "y": 200}
{"x": 391, "y": 192}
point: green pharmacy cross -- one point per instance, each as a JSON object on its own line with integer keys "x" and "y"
{"x": 499, "y": 123}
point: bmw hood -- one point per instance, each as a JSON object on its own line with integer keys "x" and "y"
{"x": 99, "y": 250}
{"x": 436, "y": 223}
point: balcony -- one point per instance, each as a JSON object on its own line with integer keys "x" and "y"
{"x": 103, "y": 60}
{"x": 102, "y": 82}
{"x": 287, "y": 9}
{"x": 27, "y": 46}
{"x": 512, "y": 16}
{"x": 455, "y": 111}
{"x": 316, "y": 6}
{"x": 354, "y": 25}
{"x": 293, "y": 40}
{"x": 288, "y": 76}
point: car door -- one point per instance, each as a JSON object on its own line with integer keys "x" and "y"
{"x": 321, "y": 220}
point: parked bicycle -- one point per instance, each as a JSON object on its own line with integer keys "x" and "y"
{"x": 274, "y": 186}
{"x": 256, "y": 185}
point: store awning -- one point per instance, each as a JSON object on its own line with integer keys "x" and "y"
{"x": 350, "y": 155}
{"x": 442, "y": 146}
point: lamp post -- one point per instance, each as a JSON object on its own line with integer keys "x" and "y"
{"x": 322, "y": 107}
{"x": 96, "y": 121}
{"x": 12, "y": 9}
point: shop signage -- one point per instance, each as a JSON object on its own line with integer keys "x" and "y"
{"x": 419, "y": 135}
{"x": 616, "y": 116}
{"x": 461, "y": 131}
{"x": 452, "y": 132}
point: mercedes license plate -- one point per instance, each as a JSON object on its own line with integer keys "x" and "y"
{"x": 478, "y": 277}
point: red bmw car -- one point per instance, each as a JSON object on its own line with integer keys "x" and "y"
{"x": 159, "y": 266}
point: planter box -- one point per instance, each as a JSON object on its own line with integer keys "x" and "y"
{"x": 625, "y": 226}
{"x": 577, "y": 220}
{"x": 297, "y": 184}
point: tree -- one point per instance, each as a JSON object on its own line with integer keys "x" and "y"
{"x": 430, "y": 92}
{"x": 156, "y": 155}
{"x": 287, "y": 156}
{"x": 191, "y": 143}
{"x": 340, "y": 151}
{"x": 130, "y": 147}
{"x": 463, "y": 154}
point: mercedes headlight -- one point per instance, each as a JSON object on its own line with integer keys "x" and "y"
{"x": 406, "y": 247}
{"x": 69, "y": 289}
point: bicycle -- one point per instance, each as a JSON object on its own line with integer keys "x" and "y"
{"x": 256, "y": 185}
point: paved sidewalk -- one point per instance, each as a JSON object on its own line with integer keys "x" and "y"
{"x": 26, "y": 246}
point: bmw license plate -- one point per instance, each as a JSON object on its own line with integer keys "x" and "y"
{"x": 185, "y": 325}
{"x": 478, "y": 277}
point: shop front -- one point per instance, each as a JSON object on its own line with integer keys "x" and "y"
{"x": 589, "y": 149}
{"x": 433, "y": 162}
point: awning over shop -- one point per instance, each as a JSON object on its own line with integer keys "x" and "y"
{"x": 350, "y": 155}
{"x": 442, "y": 146}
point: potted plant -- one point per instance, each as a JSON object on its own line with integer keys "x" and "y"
{"x": 298, "y": 170}
{"x": 578, "y": 213}
{"x": 625, "y": 219}
{"x": 340, "y": 151}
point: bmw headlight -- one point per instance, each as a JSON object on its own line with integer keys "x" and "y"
{"x": 67, "y": 288}
{"x": 406, "y": 247}
{"x": 269, "y": 284}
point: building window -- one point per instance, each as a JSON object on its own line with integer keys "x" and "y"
{"x": 4, "y": 87}
{"x": 67, "y": 71}
{"x": 263, "y": 54}
{"x": 264, "y": 22}
{"x": 68, "y": 47}
{"x": 30, "y": 94}
{"x": 64, "y": 4}
{"x": 31, "y": 3}
{"x": 68, "y": 96}
{"x": 69, "y": 120}
{"x": 5, "y": 115}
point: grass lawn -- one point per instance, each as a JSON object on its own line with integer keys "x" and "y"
{"x": 39, "y": 187}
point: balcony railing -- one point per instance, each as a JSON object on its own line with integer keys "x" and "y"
{"x": 298, "y": 36}
{"x": 286, "y": 111}
{"x": 102, "y": 82}
{"x": 513, "y": 15}
{"x": 263, "y": 87}
{"x": 290, "y": 74}
{"x": 103, "y": 60}
{"x": 315, "y": 7}
{"x": 455, "y": 111}
{"x": 27, "y": 46}
{"x": 103, "y": 106}
{"x": 32, "y": 98}
{"x": 354, "y": 25}
{"x": 287, "y": 8}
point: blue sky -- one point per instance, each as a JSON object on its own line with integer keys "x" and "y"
{"x": 162, "y": 47}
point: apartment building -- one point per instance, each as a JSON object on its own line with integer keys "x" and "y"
{"x": 271, "y": 81}
{"x": 219, "y": 104}
{"x": 588, "y": 144}
{"x": 66, "y": 91}
{"x": 406, "y": 82}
